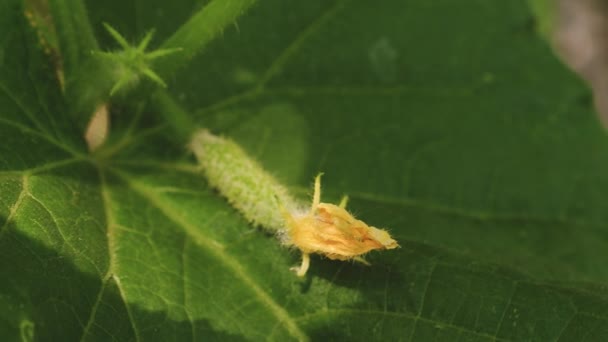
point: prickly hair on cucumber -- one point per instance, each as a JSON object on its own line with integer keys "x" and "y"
{"x": 322, "y": 228}
{"x": 255, "y": 193}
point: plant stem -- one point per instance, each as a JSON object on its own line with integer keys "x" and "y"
{"x": 179, "y": 120}
{"x": 198, "y": 31}
{"x": 86, "y": 80}
{"x": 74, "y": 32}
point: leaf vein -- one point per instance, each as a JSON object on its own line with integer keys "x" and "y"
{"x": 16, "y": 205}
{"x": 566, "y": 325}
{"x": 91, "y": 320}
{"x": 406, "y": 315}
{"x": 21, "y": 106}
{"x": 111, "y": 236}
{"x": 442, "y": 209}
{"x": 214, "y": 247}
{"x": 507, "y": 305}
{"x": 61, "y": 233}
{"x": 28, "y": 130}
{"x": 41, "y": 168}
{"x": 292, "y": 48}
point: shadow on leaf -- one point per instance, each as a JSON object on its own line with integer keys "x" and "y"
{"x": 44, "y": 297}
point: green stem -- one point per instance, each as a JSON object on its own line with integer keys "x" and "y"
{"x": 178, "y": 118}
{"x": 198, "y": 31}
{"x": 86, "y": 80}
{"x": 74, "y": 32}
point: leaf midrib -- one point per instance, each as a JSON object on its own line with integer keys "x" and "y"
{"x": 217, "y": 250}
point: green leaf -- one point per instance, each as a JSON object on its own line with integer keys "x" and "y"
{"x": 451, "y": 124}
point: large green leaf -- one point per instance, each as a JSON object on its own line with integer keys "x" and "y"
{"x": 450, "y": 123}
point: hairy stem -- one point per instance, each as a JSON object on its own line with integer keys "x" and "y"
{"x": 85, "y": 79}
{"x": 74, "y": 31}
{"x": 179, "y": 120}
{"x": 199, "y": 30}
